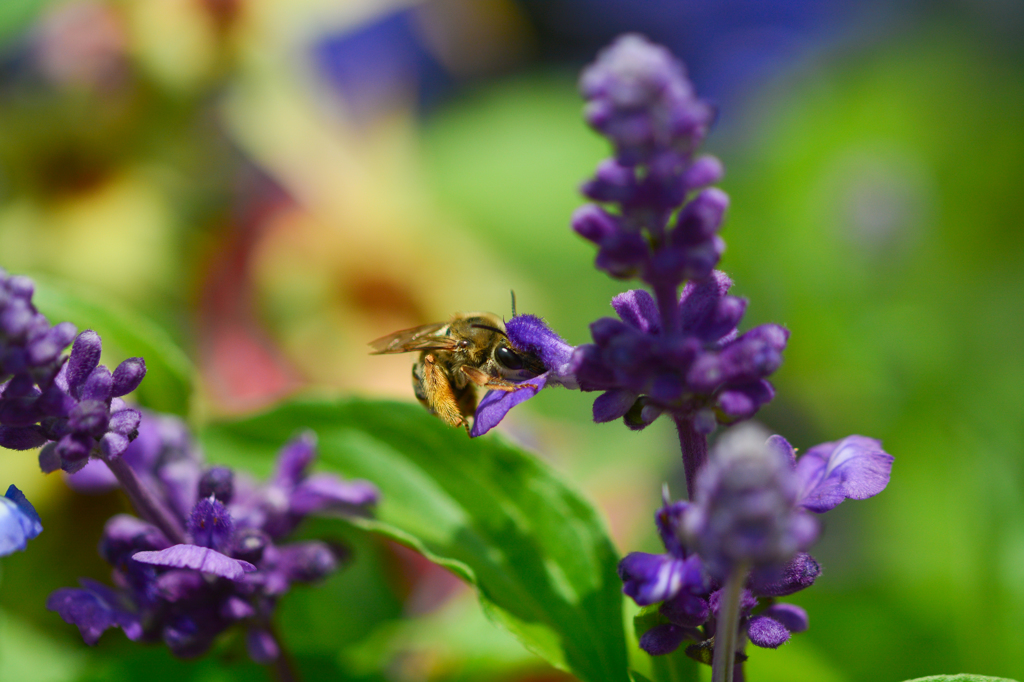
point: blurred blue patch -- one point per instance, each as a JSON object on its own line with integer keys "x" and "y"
{"x": 380, "y": 64}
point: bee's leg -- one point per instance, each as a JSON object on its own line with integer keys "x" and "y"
{"x": 466, "y": 399}
{"x": 481, "y": 378}
{"x": 438, "y": 392}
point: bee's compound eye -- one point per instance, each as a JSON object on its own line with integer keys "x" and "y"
{"x": 508, "y": 358}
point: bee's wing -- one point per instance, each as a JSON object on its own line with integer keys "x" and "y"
{"x": 425, "y": 337}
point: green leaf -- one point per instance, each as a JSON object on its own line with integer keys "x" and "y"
{"x": 169, "y": 378}
{"x": 494, "y": 515}
{"x": 961, "y": 677}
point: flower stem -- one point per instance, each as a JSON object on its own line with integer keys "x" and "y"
{"x": 695, "y": 452}
{"x": 145, "y": 503}
{"x": 284, "y": 666}
{"x": 727, "y": 627}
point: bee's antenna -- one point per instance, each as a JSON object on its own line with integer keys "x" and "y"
{"x": 512, "y": 291}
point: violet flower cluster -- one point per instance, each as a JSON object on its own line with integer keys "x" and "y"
{"x": 233, "y": 566}
{"x": 70, "y": 405}
{"x": 752, "y": 511}
{"x": 741, "y": 540}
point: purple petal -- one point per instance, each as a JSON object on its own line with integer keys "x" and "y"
{"x": 801, "y": 572}
{"x": 854, "y": 468}
{"x": 21, "y": 437}
{"x": 686, "y": 609}
{"x": 125, "y": 421}
{"x": 94, "y": 609}
{"x": 262, "y": 646}
{"x": 113, "y": 444}
{"x": 791, "y": 616}
{"x": 495, "y": 404}
{"x": 85, "y": 356}
{"x": 700, "y": 300}
{"x": 767, "y": 632}
{"x": 293, "y": 459}
{"x": 324, "y": 492}
{"x": 611, "y": 405}
{"x": 180, "y": 585}
{"x": 98, "y": 385}
{"x": 19, "y": 521}
{"x": 128, "y": 376}
{"x": 236, "y": 608}
{"x": 123, "y": 535}
{"x": 706, "y": 170}
{"x": 664, "y": 639}
{"x": 650, "y": 578}
{"x": 638, "y": 309}
{"x": 530, "y": 333}
{"x": 593, "y": 223}
{"x": 49, "y": 346}
{"x": 197, "y": 558}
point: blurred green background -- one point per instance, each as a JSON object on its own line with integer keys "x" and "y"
{"x": 273, "y": 183}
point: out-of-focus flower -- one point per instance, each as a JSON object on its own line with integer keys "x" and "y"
{"x": 19, "y": 521}
{"x": 231, "y": 570}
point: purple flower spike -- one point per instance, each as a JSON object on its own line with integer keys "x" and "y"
{"x": 19, "y": 521}
{"x": 638, "y": 95}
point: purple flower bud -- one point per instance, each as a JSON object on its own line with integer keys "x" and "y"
{"x": 801, "y": 572}
{"x": 594, "y": 223}
{"x": 701, "y": 217}
{"x": 219, "y": 483}
{"x": 128, "y": 376}
{"x": 294, "y": 458}
{"x": 210, "y": 524}
{"x": 767, "y": 632}
{"x": 612, "y": 405}
{"x": 638, "y": 96}
{"x": 704, "y": 171}
{"x": 666, "y": 638}
{"x": 49, "y": 346}
{"x": 85, "y": 356}
{"x": 250, "y": 544}
{"x": 97, "y": 386}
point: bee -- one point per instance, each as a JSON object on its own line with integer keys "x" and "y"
{"x": 469, "y": 350}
